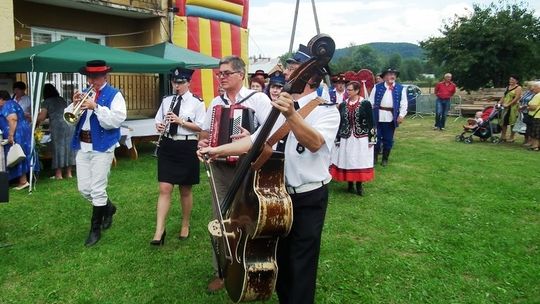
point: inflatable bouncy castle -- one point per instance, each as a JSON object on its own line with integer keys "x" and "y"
{"x": 215, "y": 28}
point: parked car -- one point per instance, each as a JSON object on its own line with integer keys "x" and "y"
{"x": 413, "y": 91}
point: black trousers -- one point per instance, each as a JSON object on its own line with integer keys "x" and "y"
{"x": 298, "y": 253}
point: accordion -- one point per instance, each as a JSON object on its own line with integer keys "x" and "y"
{"x": 227, "y": 120}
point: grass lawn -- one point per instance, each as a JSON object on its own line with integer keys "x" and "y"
{"x": 445, "y": 222}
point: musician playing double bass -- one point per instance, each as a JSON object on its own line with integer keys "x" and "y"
{"x": 232, "y": 71}
{"x": 307, "y": 158}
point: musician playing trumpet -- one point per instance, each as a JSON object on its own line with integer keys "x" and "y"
{"x": 96, "y": 135}
{"x": 178, "y": 120}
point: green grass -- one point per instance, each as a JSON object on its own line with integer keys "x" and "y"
{"x": 445, "y": 222}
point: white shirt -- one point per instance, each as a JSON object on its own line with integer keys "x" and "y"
{"x": 387, "y": 102}
{"x": 259, "y": 102}
{"x": 25, "y": 103}
{"x": 109, "y": 118}
{"x": 339, "y": 97}
{"x": 191, "y": 109}
{"x": 309, "y": 167}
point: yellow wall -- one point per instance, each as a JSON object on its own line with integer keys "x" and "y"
{"x": 7, "y": 26}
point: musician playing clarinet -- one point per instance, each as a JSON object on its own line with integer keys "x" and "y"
{"x": 96, "y": 136}
{"x": 307, "y": 157}
{"x": 179, "y": 120}
{"x": 231, "y": 74}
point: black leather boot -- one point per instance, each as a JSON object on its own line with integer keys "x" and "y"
{"x": 95, "y": 226}
{"x": 385, "y": 155}
{"x": 359, "y": 188}
{"x": 351, "y": 187}
{"x": 110, "y": 210}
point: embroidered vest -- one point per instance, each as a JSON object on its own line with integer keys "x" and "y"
{"x": 361, "y": 116}
{"x": 380, "y": 89}
{"x": 102, "y": 139}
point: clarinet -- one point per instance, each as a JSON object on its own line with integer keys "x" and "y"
{"x": 166, "y": 127}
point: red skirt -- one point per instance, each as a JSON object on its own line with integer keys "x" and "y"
{"x": 351, "y": 175}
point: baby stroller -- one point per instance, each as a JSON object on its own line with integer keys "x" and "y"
{"x": 485, "y": 130}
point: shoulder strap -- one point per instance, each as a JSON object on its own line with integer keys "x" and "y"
{"x": 224, "y": 100}
{"x": 241, "y": 101}
{"x": 247, "y": 97}
{"x": 281, "y": 132}
{"x": 284, "y": 129}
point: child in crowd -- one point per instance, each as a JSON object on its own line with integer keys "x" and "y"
{"x": 473, "y": 123}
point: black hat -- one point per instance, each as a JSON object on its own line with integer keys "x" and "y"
{"x": 339, "y": 78}
{"x": 95, "y": 68}
{"x": 181, "y": 74}
{"x": 260, "y": 73}
{"x": 389, "y": 70}
{"x": 277, "y": 80}
{"x": 302, "y": 55}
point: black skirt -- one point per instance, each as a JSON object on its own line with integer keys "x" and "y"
{"x": 535, "y": 128}
{"x": 177, "y": 162}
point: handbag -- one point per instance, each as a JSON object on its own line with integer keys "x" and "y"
{"x": 520, "y": 127}
{"x": 15, "y": 155}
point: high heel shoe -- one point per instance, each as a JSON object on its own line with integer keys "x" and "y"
{"x": 181, "y": 237}
{"x": 159, "y": 242}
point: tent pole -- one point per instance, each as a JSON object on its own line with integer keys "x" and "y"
{"x": 294, "y": 26}
{"x": 315, "y": 15}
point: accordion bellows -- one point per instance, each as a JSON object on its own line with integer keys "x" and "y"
{"x": 227, "y": 120}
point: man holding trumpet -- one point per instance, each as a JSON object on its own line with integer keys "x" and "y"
{"x": 97, "y": 116}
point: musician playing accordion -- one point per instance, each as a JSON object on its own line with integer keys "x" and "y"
{"x": 241, "y": 107}
{"x": 179, "y": 120}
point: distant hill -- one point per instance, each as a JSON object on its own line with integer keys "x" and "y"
{"x": 385, "y": 49}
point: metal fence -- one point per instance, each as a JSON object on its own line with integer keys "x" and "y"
{"x": 425, "y": 105}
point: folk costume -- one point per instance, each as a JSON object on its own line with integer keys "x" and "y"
{"x": 352, "y": 158}
{"x": 96, "y": 136}
{"x": 389, "y": 101}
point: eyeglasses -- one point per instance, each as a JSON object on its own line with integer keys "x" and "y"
{"x": 225, "y": 74}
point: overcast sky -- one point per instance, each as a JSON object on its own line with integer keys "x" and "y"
{"x": 351, "y": 21}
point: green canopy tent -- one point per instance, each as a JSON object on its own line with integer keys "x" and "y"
{"x": 191, "y": 59}
{"x": 68, "y": 56}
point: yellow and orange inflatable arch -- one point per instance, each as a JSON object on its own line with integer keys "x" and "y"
{"x": 215, "y": 28}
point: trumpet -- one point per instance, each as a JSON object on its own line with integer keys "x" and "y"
{"x": 166, "y": 127}
{"x": 74, "y": 116}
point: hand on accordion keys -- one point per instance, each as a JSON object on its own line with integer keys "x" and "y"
{"x": 243, "y": 133}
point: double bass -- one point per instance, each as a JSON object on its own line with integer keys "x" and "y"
{"x": 257, "y": 209}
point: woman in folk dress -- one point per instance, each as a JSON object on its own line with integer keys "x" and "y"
{"x": 352, "y": 159}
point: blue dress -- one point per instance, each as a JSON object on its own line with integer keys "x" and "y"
{"x": 22, "y": 136}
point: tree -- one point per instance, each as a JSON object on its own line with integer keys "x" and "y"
{"x": 394, "y": 61}
{"x": 364, "y": 57}
{"x": 410, "y": 69}
{"x": 488, "y": 45}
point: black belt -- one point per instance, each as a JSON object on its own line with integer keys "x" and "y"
{"x": 386, "y": 109}
{"x": 85, "y": 136}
